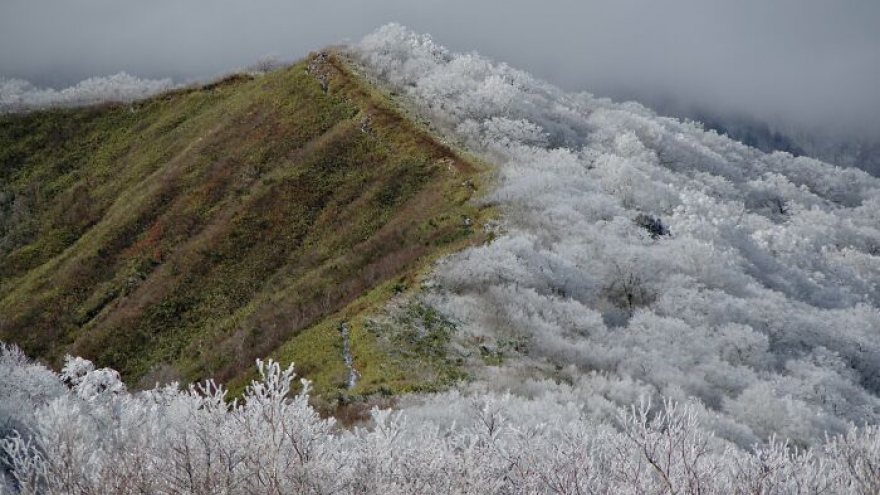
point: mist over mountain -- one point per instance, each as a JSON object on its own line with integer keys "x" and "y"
{"x": 795, "y": 64}
{"x": 858, "y": 150}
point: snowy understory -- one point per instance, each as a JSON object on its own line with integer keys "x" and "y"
{"x": 639, "y": 260}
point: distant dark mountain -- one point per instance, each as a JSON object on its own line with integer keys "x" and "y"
{"x": 751, "y": 132}
{"x": 857, "y": 153}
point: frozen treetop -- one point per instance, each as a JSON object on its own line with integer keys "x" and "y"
{"x": 17, "y": 95}
{"x": 643, "y": 255}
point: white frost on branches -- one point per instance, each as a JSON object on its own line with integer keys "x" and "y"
{"x": 17, "y": 95}
{"x": 643, "y": 255}
{"x": 87, "y": 382}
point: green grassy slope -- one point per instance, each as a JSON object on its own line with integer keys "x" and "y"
{"x": 186, "y": 235}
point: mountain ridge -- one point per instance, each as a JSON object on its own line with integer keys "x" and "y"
{"x": 306, "y": 160}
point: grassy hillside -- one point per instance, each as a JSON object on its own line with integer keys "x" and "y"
{"x": 186, "y": 235}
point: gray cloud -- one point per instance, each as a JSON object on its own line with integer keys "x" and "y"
{"x": 802, "y": 63}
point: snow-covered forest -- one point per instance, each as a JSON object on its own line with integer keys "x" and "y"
{"x": 664, "y": 310}
{"x": 17, "y": 95}
{"x": 641, "y": 255}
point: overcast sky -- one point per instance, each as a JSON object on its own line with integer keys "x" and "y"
{"x": 803, "y": 62}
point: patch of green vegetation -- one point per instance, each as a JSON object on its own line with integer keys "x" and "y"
{"x": 396, "y": 349}
{"x": 190, "y": 233}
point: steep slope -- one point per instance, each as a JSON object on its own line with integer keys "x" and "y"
{"x": 184, "y": 235}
